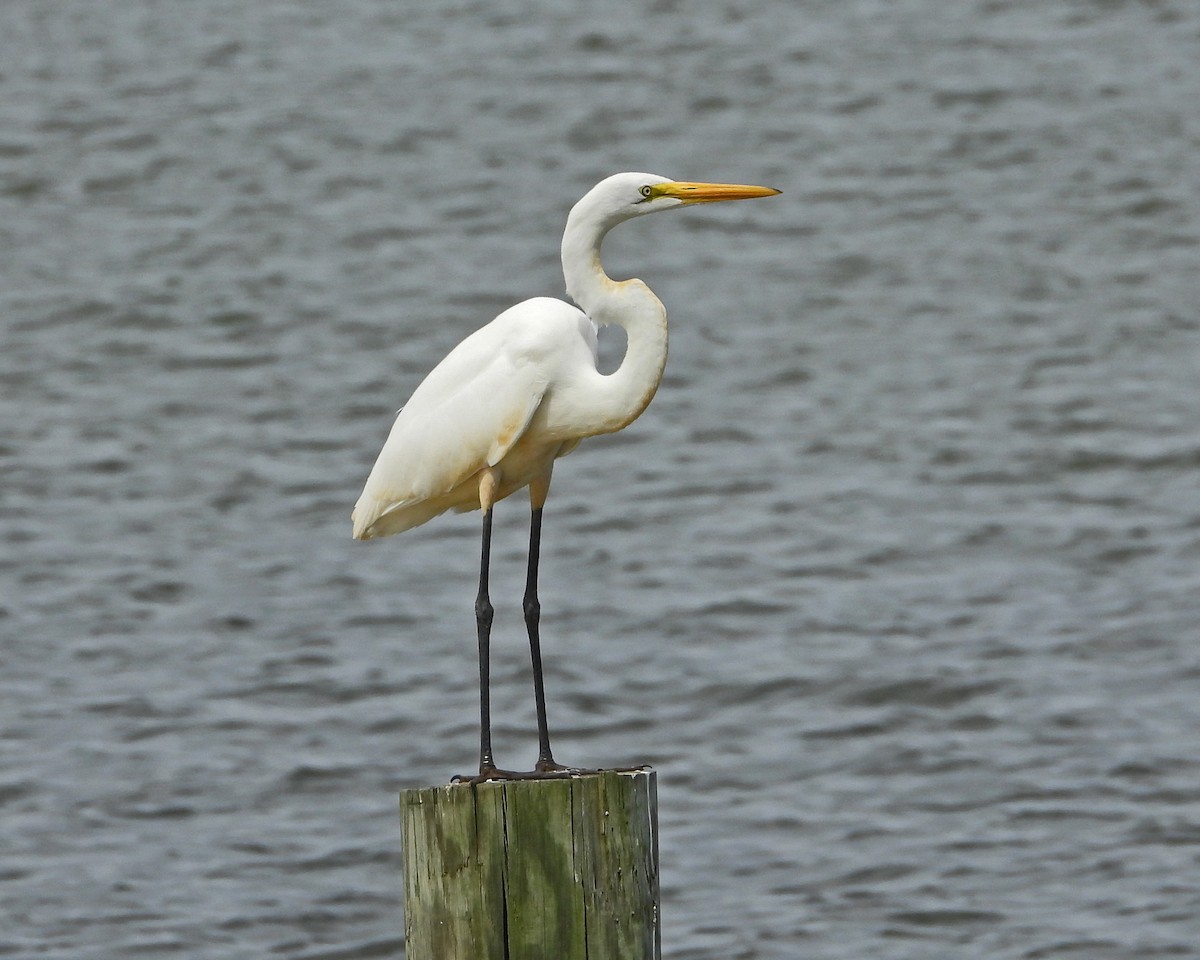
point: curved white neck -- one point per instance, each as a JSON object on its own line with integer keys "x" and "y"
{"x": 619, "y": 398}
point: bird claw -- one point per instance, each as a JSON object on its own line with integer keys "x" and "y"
{"x": 486, "y": 774}
{"x": 543, "y": 770}
{"x": 548, "y": 768}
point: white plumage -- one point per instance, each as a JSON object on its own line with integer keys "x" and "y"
{"x": 482, "y": 406}
{"x": 492, "y": 417}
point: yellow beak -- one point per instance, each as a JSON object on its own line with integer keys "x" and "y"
{"x": 689, "y": 192}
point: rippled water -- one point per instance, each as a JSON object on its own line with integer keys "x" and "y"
{"x": 897, "y": 583}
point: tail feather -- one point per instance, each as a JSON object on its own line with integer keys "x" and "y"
{"x": 373, "y": 518}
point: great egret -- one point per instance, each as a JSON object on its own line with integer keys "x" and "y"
{"x": 493, "y": 416}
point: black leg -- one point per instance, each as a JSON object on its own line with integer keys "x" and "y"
{"x": 483, "y": 623}
{"x": 546, "y": 766}
{"x": 533, "y": 613}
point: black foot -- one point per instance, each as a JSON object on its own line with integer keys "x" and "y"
{"x": 544, "y": 770}
{"x": 487, "y": 773}
{"x": 548, "y": 768}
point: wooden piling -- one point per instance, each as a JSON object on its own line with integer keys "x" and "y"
{"x": 563, "y": 869}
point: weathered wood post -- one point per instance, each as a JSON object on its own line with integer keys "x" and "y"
{"x": 563, "y": 869}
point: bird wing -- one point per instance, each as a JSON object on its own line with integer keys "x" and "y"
{"x": 465, "y": 415}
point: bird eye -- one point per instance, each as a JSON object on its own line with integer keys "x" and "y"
{"x": 645, "y": 191}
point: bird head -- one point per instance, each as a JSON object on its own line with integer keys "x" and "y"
{"x": 627, "y": 195}
{"x": 616, "y": 199}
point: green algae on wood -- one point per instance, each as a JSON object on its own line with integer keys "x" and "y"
{"x": 562, "y": 869}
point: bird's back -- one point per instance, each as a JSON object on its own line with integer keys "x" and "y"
{"x": 469, "y": 412}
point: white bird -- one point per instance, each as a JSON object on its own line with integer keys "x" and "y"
{"x": 493, "y": 416}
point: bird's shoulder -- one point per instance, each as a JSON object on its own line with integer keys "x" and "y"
{"x": 540, "y": 326}
{"x": 473, "y": 406}
{"x": 533, "y": 335}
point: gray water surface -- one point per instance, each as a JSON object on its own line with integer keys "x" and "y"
{"x": 897, "y": 582}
